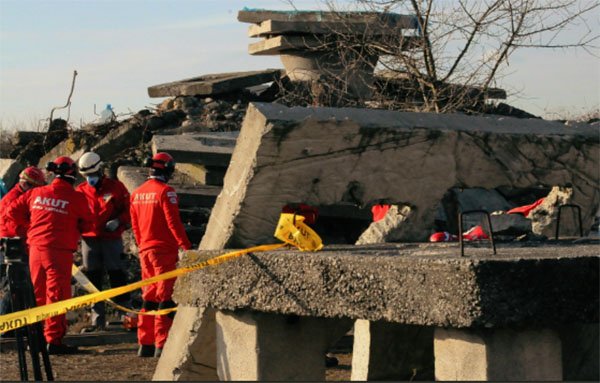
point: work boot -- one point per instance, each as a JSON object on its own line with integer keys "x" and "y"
{"x": 146, "y": 351}
{"x": 61, "y": 349}
{"x": 331, "y": 361}
{"x": 93, "y": 328}
{"x": 158, "y": 352}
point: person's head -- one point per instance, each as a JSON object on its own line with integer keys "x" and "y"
{"x": 91, "y": 167}
{"x": 31, "y": 177}
{"x": 63, "y": 167}
{"x": 161, "y": 165}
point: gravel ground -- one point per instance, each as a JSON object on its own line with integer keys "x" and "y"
{"x": 118, "y": 362}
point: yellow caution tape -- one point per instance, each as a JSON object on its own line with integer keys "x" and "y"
{"x": 290, "y": 229}
{"x": 88, "y": 286}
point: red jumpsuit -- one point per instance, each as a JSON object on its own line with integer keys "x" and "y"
{"x": 56, "y": 215}
{"x": 159, "y": 233}
{"x": 7, "y": 227}
{"x": 109, "y": 202}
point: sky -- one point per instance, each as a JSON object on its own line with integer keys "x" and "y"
{"x": 120, "y": 48}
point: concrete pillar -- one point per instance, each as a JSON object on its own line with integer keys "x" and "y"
{"x": 497, "y": 354}
{"x": 392, "y": 351}
{"x": 190, "y": 351}
{"x": 259, "y": 346}
{"x": 580, "y": 352}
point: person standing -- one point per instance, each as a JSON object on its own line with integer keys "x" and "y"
{"x": 29, "y": 178}
{"x": 55, "y": 214}
{"x": 159, "y": 234}
{"x": 102, "y": 248}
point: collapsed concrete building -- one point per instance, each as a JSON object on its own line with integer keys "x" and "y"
{"x": 418, "y": 311}
{"x": 321, "y": 156}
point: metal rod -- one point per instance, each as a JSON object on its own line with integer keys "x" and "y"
{"x": 460, "y": 229}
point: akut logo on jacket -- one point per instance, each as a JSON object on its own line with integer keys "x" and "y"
{"x": 50, "y": 204}
{"x": 145, "y": 198}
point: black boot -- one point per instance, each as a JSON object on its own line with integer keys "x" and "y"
{"x": 146, "y": 351}
{"x": 61, "y": 349}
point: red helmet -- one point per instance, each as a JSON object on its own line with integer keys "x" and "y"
{"x": 33, "y": 176}
{"x": 162, "y": 161}
{"x": 63, "y": 165}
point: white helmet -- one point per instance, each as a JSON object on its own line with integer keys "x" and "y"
{"x": 90, "y": 163}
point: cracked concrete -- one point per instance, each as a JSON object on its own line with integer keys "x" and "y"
{"x": 321, "y": 156}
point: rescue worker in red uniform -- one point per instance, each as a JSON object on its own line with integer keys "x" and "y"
{"x": 102, "y": 248}
{"x": 56, "y": 214}
{"x": 29, "y": 178}
{"x": 159, "y": 234}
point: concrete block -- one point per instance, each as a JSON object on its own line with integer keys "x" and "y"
{"x": 211, "y": 84}
{"x": 265, "y": 347}
{"x": 315, "y": 155}
{"x": 385, "y": 230}
{"x": 257, "y": 16}
{"x": 206, "y": 149}
{"x": 125, "y": 136}
{"x": 9, "y": 171}
{"x": 190, "y": 352}
{"x": 426, "y": 284}
{"x": 278, "y": 44}
{"x": 497, "y": 355}
{"x": 206, "y": 175}
{"x": 68, "y": 148}
{"x": 280, "y": 27}
{"x": 391, "y": 351}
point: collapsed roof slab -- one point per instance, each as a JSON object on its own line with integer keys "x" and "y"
{"x": 278, "y": 44}
{"x": 327, "y": 156}
{"x": 278, "y": 27}
{"x": 257, "y": 16}
{"x": 210, "y": 84}
{"x": 310, "y": 43}
{"x": 209, "y": 149}
{"x": 416, "y": 284}
{"x": 191, "y": 196}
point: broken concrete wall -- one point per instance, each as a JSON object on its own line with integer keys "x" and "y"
{"x": 322, "y": 156}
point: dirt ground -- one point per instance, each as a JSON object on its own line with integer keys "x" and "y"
{"x": 118, "y": 362}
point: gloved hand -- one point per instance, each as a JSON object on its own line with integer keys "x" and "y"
{"x": 112, "y": 225}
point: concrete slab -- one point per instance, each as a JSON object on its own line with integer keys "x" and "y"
{"x": 126, "y": 136}
{"x": 67, "y": 147}
{"x": 206, "y": 175}
{"x": 298, "y": 43}
{"x": 257, "y": 16}
{"x": 394, "y": 83}
{"x": 278, "y": 44}
{"x": 419, "y": 284}
{"x": 280, "y": 27}
{"x": 325, "y": 156}
{"x": 189, "y": 195}
{"x": 206, "y": 149}
{"x": 9, "y": 171}
{"x": 210, "y": 84}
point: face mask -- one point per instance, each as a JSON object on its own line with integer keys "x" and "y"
{"x": 92, "y": 180}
